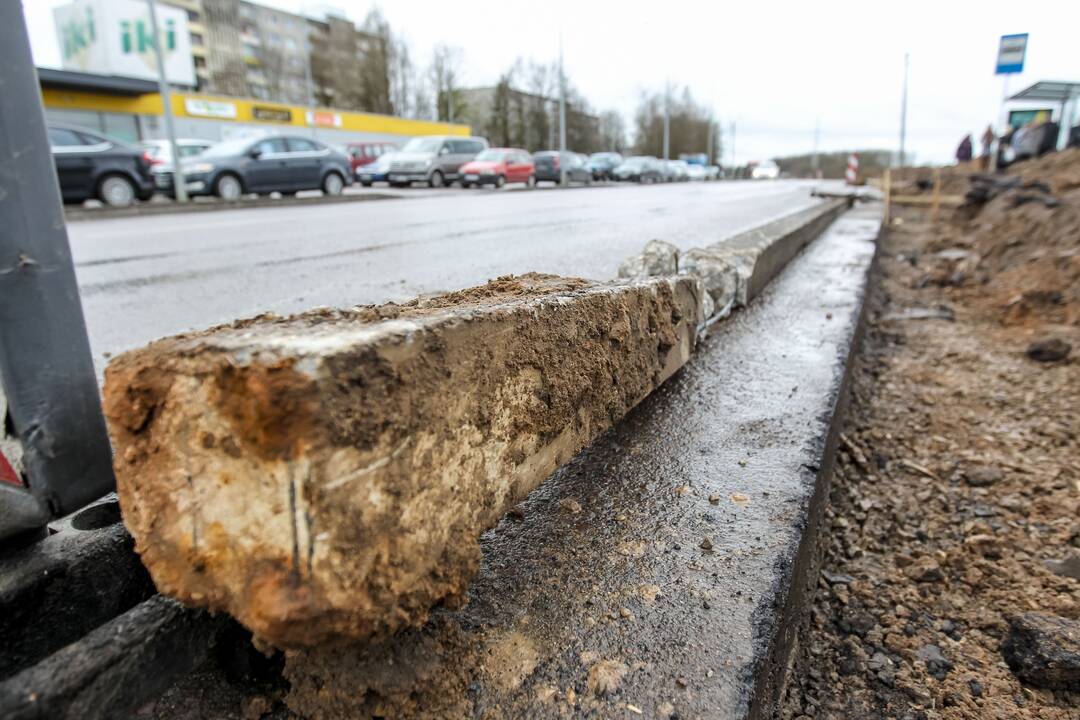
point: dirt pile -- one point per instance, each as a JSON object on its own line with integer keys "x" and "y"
{"x": 1015, "y": 257}
{"x": 957, "y": 486}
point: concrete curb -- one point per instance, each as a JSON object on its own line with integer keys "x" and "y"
{"x": 73, "y": 214}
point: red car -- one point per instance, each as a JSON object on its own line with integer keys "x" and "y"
{"x": 498, "y": 166}
{"x": 363, "y": 153}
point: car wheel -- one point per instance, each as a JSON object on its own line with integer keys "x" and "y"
{"x": 500, "y": 181}
{"x": 365, "y": 183}
{"x": 333, "y": 184}
{"x": 588, "y": 180}
{"x": 228, "y": 187}
{"x": 436, "y": 180}
{"x": 116, "y": 191}
{"x": 466, "y": 185}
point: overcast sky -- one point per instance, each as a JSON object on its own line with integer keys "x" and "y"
{"x": 774, "y": 68}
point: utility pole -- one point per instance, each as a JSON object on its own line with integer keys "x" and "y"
{"x": 307, "y": 81}
{"x": 733, "y": 166}
{"x": 817, "y": 137}
{"x": 667, "y": 119}
{"x": 903, "y": 113}
{"x": 562, "y": 117}
{"x": 708, "y": 143}
{"x": 179, "y": 186}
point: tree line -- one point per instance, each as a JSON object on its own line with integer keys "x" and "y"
{"x": 521, "y": 110}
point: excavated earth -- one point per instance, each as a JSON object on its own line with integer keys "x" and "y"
{"x": 955, "y": 506}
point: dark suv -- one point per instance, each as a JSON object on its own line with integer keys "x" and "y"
{"x": 263, "y": 165}
{"x": 89, "y": 165}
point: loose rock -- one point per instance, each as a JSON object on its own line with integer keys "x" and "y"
{"x": 1044, "y": 650}
{"x": 1049, "y": 350}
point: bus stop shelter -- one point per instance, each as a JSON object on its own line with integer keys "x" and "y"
{"x": 1063, "y": 94}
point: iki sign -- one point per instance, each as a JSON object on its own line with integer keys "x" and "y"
{"x": 115, "y": 37}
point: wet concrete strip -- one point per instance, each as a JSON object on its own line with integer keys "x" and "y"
{"x": 661, "y": 572}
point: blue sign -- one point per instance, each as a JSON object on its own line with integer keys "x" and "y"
{"x": 1011, "y": 54}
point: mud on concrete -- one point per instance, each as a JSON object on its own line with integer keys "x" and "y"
{"x": 328, "y": 475}
{"x": 956, "y": 497}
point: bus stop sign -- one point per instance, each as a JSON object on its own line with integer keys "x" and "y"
{"x": 1011, "y": 52}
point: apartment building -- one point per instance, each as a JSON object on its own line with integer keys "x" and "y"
{"x": 245, "y": 49}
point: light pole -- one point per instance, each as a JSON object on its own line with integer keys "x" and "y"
{"x": 562, "y": 117}
{"x": 667, "y": 119}
{"x": 179, "y": 186}
{"x": 903, "y": 113}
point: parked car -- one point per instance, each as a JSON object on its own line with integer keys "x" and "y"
{"x": 267, "y": 164}
{"x": 498, "y": 166}
{"x": 696, "y": 172}
{"x": 90, "y": 165}
{"x": 641, "y": 169}
{"x": 161, "y": 150}
{"x": 434, "y": 160}
{"x": 713, "y": 172}
{"x": 365, "y": 153}
{"x": 765, "y": 170}
{"x": 549, "y": 167}
{"x": 378, "y": 171}
{"x": 675, "y": 171}
{"x": 603, "y": 163}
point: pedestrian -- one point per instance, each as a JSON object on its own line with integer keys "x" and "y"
{"x": 963, "y": 152}
{"x": 987, "y": 143}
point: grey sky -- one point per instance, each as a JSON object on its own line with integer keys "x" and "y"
{"x": 772, "y": 67}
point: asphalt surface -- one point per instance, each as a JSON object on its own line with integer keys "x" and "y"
{"x": 142, "y": 278}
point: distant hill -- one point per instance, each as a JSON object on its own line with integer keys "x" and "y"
{"x": 833, "y": 165}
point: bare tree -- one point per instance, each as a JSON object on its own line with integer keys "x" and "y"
{"x": 445, "y": 72}
{"x": 612, "y": 131}
{"x": 689, "y": 125}
{"x": 401, "y": 78}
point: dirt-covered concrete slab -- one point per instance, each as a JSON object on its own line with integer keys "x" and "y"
{"x": 659, "y": 573}
{"x": 328, "y": 475}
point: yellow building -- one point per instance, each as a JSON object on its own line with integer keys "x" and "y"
{"x": 131, "y": 109}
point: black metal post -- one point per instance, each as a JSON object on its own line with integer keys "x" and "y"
{"x": 45, "y": 364}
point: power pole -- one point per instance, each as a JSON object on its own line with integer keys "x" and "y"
{"x": 817, "y": 135}
{"x": 308, "y": 83}
{"x": 903, "y": 113}
{"x": 179, "y": 186}
{"x": 708, "y": 143}
{"x": 733, "y": 166}
{"x": 562, "y": 117}
{"x": 667, "y": 119}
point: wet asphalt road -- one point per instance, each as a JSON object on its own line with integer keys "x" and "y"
{"x": 142, "y": 278}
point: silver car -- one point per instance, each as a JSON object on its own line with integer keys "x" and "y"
{"x": 435, "y": 160}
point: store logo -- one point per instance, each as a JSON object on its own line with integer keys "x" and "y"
{"x": 137, "y": 37}
{"x": 76, "y": 37}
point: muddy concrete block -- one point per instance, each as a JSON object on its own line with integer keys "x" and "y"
{"x": 329, "y": 474}
{"x": 657, "y": 259}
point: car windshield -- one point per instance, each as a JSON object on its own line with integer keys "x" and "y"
{"x": 228, "y": 148}
{"x": 491, "y": 156}
{"x": 420, "y": 145}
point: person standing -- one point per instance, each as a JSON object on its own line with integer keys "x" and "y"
{"x": 987, "y": 143}
{"x": 964, "y": 150}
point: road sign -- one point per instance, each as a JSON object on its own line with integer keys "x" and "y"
{"x": 1011, "y": 52}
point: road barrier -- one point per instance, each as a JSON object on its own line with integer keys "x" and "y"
{"x": 328, "y": 475}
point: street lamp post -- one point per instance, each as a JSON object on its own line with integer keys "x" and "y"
{"x": 562, "y": 117}
{"x": 179, "y": 186}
